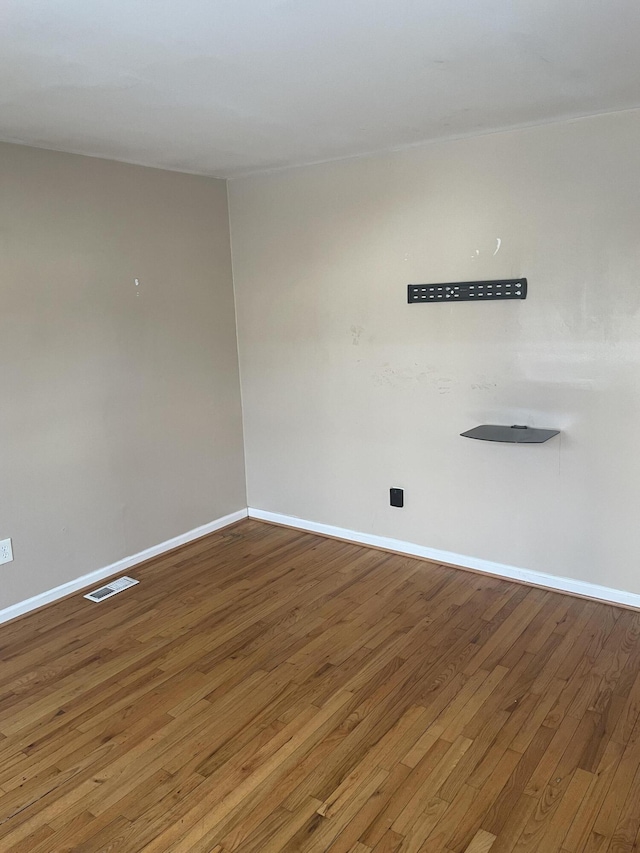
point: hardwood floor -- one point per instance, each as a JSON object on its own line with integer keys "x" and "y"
{"x": 266, "y": 690}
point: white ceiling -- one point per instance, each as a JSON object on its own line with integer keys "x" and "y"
{"x": 223, "y": 87}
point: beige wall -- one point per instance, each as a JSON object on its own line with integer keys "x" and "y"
{"x": 348, "y": 390}
{"x": 120, "y": 420}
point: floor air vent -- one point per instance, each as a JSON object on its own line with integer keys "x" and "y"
{"x": 110, "y": 589}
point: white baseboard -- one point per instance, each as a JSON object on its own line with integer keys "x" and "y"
{"x": 57, "y": 592}
{"x": 527, "y": 576}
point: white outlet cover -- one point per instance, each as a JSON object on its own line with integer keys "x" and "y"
{"x": 6, "y": 551}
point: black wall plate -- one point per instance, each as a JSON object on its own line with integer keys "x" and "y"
{"x": 467, "y": 291}
{"x": 396, "y": 497}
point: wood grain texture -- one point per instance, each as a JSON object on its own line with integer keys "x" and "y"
{"x": 264, "y": 690}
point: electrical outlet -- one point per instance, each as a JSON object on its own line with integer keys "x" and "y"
{"x": 396, "y": 497}
{"x": 6, "y": 552}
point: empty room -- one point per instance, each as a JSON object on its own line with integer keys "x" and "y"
{"x": 319, "y": 408}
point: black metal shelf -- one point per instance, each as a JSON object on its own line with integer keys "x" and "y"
{"x": 515, "y": 434}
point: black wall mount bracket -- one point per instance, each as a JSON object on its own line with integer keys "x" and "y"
{"x": 467, "y": 291}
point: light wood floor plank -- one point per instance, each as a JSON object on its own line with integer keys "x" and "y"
{"x": 264, "y": 690}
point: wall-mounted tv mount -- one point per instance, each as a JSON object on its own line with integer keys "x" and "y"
{"x": 467, "y": 291}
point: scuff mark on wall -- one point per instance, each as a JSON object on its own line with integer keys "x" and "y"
{"x": 476, "y": 252}
{"x": 404, "y": 377}
{"x": 356, "y": 331}
{"x": 444, "y": 385}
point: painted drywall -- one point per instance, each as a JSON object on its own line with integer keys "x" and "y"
{"x": 230, "y": 86}
{"x": 348, "y": 390}
{"x": 120, "y": 418}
